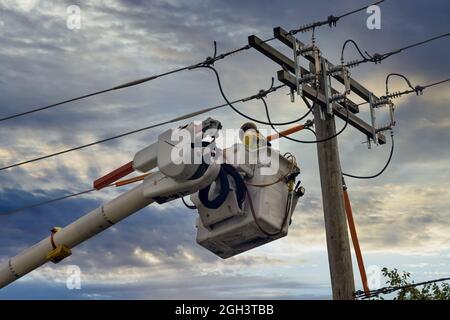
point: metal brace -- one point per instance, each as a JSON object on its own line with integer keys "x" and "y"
{"x": 375, "y": 104}
{"x": 346, "y": 77}
{"x": 345, "y": 74}
{"x": 317, "y": 60}
{"x": 298, "y": 85}
{"x": 373, "y": 118}
{"x": 369, "y": 143}
{"x": 391, "y": 123}
{"x": 327, "y": 86}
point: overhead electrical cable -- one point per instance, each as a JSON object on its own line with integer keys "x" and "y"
{"x": 435, "y": 83}
{"x": 261, "y": 94}
{"x": 210, "y": 60}
{"x": 39, "y": 204}
{"x": 130, "y": 84}
{"x": 176, "y": 119}
{"x": 393, "y": 74}
{"x": 378, "y": 57}
{"x": 417, "y": 89}
{"x": 387, "y": 290}
{"x": 364, "y": 56}
{"x": 330, "y": 21}
{"x": 120, "y": 183}
{"x": 379, "y": 173}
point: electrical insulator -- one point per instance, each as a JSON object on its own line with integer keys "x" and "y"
{"x": 304, "y": 28}
{"x": 353, "y": 63}
{"x": 396, "y": 94}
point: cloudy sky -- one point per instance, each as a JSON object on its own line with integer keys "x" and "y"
{"x": 402, "y": 216}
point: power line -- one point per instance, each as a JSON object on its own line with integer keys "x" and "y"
{"x": 46, "y": 202}
{"x": 360, "y": 9}
{"x": 420, "y": 43}
{"x": 261, "y": 95}
{"x": 417, "y": 89}
{"x": 378, "y": 57}
{"x": 207, "y": 61}
{"x": 122, "y": 86}
{"x": 189, "y": 115}
{"x": 183, "y": 117}
{"x": 379, "y": 173}
{"x": 120, "y": 183}
{"x": 186, "y": 116}
{"x": 193, "y": 114}
{"x": 393, "y": 74}
{"x": 387, "y": 290}
{"x": 364, "y": 56}
{"x": 435, "y": 83}
{"x": 331, "y": 20}
{"x": 374, "y": 175}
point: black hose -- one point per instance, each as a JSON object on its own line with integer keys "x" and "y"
{"x": 381, "y": 171}
{"x": 246, "y": 116}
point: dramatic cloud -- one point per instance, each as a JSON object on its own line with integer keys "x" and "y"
{"x": 402, "y": 216}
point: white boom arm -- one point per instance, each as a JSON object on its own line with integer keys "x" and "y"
{"x": 167, "y": 186}
{"x": 78, "y": 231}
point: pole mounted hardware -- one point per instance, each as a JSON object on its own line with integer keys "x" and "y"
{"x": 374, "y": 105}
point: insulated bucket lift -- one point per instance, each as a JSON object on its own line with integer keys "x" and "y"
{"x": 258, "y": 206}
{"x": 243, "y": 202}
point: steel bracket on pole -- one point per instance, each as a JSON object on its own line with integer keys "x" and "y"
{"x": 297, "y": 67}
{"x": 373, "y": 118}
{"x": 326, "y": 87}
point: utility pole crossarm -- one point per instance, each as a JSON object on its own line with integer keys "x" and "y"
{"x": 356, "y": 87}
{"x": 359, "y": 124}
{"x": 287, "y": 63}
{"x": 287, "y": 78}
{"x": 272, "y": 53}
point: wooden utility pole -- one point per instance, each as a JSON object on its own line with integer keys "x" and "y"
{"x": 338, "y": 244}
